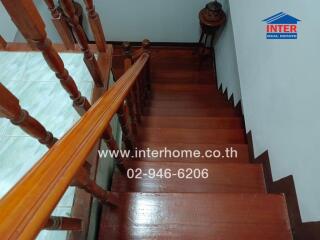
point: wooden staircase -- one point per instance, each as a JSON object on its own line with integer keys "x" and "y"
{"x": 186, "y": 111}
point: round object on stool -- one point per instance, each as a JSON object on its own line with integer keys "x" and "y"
{"x": 212, "y": 17}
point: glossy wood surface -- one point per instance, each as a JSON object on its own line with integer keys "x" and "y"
{"x": 222, "y": 178}
{"x": 185, "y": 111}
{"x": 196, "y": 216}
{"x": 192, "y": 122}
{"x": 43, "y": 186}
{"x": 185, "y": 135}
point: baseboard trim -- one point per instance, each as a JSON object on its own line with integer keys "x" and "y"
{"x": 286, "y": 186}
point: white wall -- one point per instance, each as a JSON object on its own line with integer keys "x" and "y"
{"x": 7, "y": 28}
{"x": 226, "y": 60}
{"x": 160, "y": 21}
{"x": 280, "y": 92}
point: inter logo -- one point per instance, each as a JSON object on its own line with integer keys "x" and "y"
{"x": 282, "y": 26}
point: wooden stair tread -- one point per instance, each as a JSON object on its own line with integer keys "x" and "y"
{"x": 195, "y": 103}
{"x": 222, "y": 216}
{"x": 242, "y": 151}
{"x": 185, "y": 135}
{"x": 192, "y": 112}
{"x": 222, "y": 178}
{"x": 192, "y": 88}
{"x": 192, "y": 122}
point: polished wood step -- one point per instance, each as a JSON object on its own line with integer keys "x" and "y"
{"x": 214, "y": 103}
{"x": 230, "y": 153}
{"x": 222, "y": 216}
{"x": 191, "y": 112}
{"x": 182, "y": 76}
{"x": 188, "y": 97}
{"x": 192, "y": 122}
{"x": 186, "y": 135}
{"x": 189, "y": 88}
{"x": 180, "y": 177}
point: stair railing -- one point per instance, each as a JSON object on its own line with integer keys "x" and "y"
{"x": 60, "y": 24}
{"x": 26, "y": 208}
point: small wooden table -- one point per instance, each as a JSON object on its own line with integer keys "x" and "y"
{"x": 210, "y": 22}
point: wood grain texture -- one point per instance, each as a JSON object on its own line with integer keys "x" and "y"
{"x": 196, "y": 216}
{"x": 242, "y": 151}
{"x": 195, "y": 136}
{"x": 192, "y": 122}
{"x": 222, "y": 178}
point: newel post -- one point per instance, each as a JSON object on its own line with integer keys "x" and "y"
{"x": 89, "y": 58}
{"x": 3, "y": 43}
{"x": 28, "y": 20}
{"x": 61, "y": 25}
{"x": 96, "y": 26}
{"x": 10, "y": 108}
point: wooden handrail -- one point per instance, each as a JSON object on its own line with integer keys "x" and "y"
{"x": 27, "y": 207}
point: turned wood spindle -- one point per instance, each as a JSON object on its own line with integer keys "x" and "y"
{"x": 3, "y": 43}
{"x": 83, "y": 181}
{"x": 132, "y": 112}
{"x": 96, "y": 26}
{"x": 10, "y": 108}
{"x": 28, "y": 20}
{"x": 147, "y": 84}
{"x": 63, "y": 223}
{"x": 124, "y": 122}
{"x": 61, "y": 25}
{"x": 89, "y": 58}
{"x": 131, "y": 99}
{"x": 113, "y": 146}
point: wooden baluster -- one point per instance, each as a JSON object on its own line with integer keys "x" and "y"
{"x": 83, "y": 181}
{"x": 89, "y": 58}
{"x": 3, "y": 43}
{"x": 113, "y": 146}
{"x": 63, "y": 223}
{"x": 147, "y": 84}
{"x": 132, "y": 113}
{"x": 96, "y": 26}
{"x": 10, "y": 108}
{"x": 28, "y": 20}
{"x": 61, "y": 25}
{"x": 124, "y": 122}
{"x": 133, "y": 110}
{"x": 137, "y": 99}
